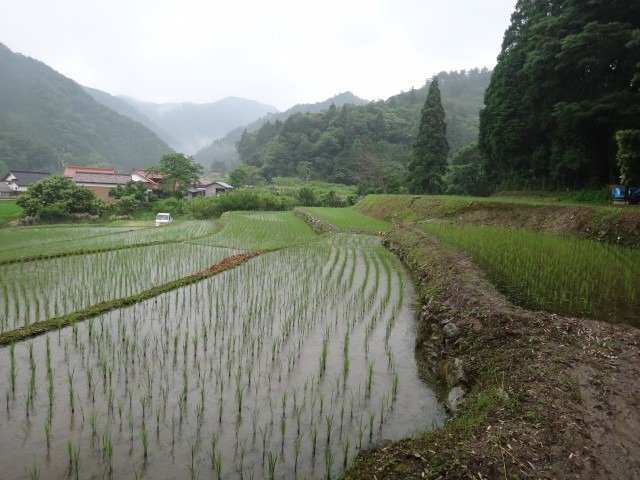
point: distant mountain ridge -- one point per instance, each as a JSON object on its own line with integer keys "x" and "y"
{"x": 224, "y": 149}
{"x": 122, "y": 107}
{"x": 47, "y": 119}
{"x": 191, "y": 126}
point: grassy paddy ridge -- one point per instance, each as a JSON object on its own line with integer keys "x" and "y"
{"x": 610, "y": 224}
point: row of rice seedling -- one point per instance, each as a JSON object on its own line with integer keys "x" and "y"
{"x": 347, "y": 219}
{"x": 35, "y": 237}
{"x": 283, "y": 367}
{"x": 559, "y": 274}
{"x": 29, "y": 242}
{"x": 44, "y": 289}
{"x": 260, "y": 229}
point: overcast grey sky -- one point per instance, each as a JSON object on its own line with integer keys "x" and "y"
{"x": 280, "y": 52}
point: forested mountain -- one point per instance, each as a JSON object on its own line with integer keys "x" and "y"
{"x": 368, "y": 144}
{"x": 191, "y": 126}
{"x": 122, "y": 107}
{"x": 223, "y": 151}
{"x": 46, "y": 117}
{"x": 567, "y": 78}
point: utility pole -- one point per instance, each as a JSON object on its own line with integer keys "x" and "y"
{"x": 61, "y": 164}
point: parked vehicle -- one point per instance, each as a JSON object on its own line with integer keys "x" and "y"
{"x": 163, "y": 219}
{"x": 625, "y": 194}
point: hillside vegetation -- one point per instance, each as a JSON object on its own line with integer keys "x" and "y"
{"x": 46, "y": 118}
{"x": 188, "y": 127}
{"x": 221, "y": 153}
{"x": 566, "y": 81}
{"x": 368, "y": 144}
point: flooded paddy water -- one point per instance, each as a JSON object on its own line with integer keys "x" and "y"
{"x": 284, "y": 367}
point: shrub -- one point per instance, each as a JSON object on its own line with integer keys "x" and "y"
{"x": 172, "y": 205}
{"x": 203, "y": 208}
{"x": 127, "y": 204}
{"x": 307, "y": 197}
{"x": 246, "y": 200}
{"x": 54, "y": 198}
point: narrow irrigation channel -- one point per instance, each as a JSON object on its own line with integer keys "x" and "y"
{"x": 282, "y": 367}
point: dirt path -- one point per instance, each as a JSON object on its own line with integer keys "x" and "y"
{"x": 543, "y": 396}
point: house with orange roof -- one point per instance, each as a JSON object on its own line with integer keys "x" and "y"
{"x": 70, "y": 171}
{"x": 149, "y": 179}
{"x": 101, "y": 183}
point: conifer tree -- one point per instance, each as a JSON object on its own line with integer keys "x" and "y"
{"x": 429, "y": 154}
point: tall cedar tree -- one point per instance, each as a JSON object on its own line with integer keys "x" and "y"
{"x": 567, "y": 79}
{"x": 429, "y": 154}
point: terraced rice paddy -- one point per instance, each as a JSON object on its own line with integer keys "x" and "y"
{"x": 563, "y": 275}
{"x": 38, "y": 290}
{"x": 29, "y": 242}
{"x": 347, "y": 219}
{"x": 283, "y": 367}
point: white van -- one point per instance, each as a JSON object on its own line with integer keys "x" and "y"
{"x": 163, "y": 219}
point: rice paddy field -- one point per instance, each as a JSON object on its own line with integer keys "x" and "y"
{"x": 266, "y": 230}
{"x": 34, "y": 241}
{"x": 348, "y": 219}
{"x": 563, "y": 275}
{"x": 282, "y": 367}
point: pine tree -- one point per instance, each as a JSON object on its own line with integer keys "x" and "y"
{"x": 429, "y": 154}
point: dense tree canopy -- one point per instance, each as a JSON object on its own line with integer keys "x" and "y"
{"x": 430, "y": 149}
{"x": 628, "y": 156}
{"x": 57, "y": 197}
{"x": 369, "y": 145}
{"x": 567, "y": 78}
{"x": 466, "y": 174}
{"x": 245, "y": 175}
{"x": 179, "y": 173}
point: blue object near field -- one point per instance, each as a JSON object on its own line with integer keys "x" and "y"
{"x": 625, "y": 195}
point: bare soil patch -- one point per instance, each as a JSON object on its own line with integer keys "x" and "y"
{"x": 542, "y": 396}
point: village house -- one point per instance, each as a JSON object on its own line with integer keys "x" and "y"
{"x": 102, "y": 180}
{"x": 17, "y": 181}
{"x": 70, "y": 171}
{"x": 207, "y": 188}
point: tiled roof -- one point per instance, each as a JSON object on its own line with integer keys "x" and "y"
{"x": 24, "y": 179}
{"x": 110, "y": 178}
{"x": 207, "y": 183}
{"x": 151, "y": 176}
{"x": 71, "y": 171}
